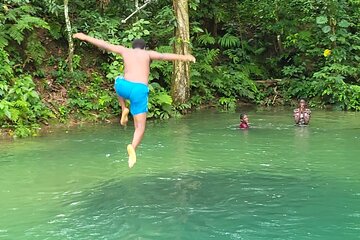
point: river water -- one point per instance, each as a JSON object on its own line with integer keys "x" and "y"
{"x": 197, "y": 177}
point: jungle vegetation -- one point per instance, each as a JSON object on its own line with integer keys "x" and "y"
{"x": 264, "y": 52}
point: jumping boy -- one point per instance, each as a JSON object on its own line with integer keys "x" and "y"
{"x": 134, "y": 84}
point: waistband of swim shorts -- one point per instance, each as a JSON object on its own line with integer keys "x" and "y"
{"x": 121, "y": 78}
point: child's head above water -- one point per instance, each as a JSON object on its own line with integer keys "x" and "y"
{"x": 244, "y": 121}
{"x": 244, "y": 117}
{"x": 302, "y": 103}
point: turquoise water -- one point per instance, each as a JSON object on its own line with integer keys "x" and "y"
{"x": 198, "y": 177}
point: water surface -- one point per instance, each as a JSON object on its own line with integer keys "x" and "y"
{"x": 198, "y": 177}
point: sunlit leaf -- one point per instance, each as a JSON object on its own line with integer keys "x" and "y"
{"x": 321, "y": 20}
{"x": 326, "y": 29}
{"x": 344, "y": 24}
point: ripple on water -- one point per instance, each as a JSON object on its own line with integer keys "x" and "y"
{"x": 250, "y": 206}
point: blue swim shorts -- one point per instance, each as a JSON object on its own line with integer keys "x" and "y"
{"x": 137, "y": 93}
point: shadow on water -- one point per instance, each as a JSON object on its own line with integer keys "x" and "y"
{"x": 205, "y": 205}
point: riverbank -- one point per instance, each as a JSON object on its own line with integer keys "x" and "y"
{"x": 54, "y": 125}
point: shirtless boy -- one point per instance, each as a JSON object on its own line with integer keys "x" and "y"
{"x": 134, "y": 84}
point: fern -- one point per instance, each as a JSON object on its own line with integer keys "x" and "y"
{"x": 229, "y": 41}
{"x": 17, "y": 21}
{"x": 15, "y": 34}
{"x": 163, "y": 99}
{"x": 6, "y": 71}
{"x": 51, "y": 6}
{"x": 26, "y": 9}
{"x": 206, "y": 38}
{"x": 15, "y": 13}
{"x": 211, "y": 55}
{"x": 3, "y": 39}
{"x": 55, "y": 30}
{"x": 252, "y": 69}
{"x": 35, "y": 51}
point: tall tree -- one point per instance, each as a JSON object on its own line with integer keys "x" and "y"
{"x": 69, "y": 34}
{"x": 180, "y": 87}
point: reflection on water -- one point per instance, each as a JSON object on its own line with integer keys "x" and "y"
{"x": 197, "y": 178}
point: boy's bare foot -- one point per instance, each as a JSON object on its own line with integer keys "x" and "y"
{"x": 132, "y": 155}
{"x": 124, "y": 116}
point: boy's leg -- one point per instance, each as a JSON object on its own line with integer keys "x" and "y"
{"x": 124, "y": 111}
{"x": 139, "y": 123}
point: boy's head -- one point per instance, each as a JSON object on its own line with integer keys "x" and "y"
{"x": 244, "y": 118}
{"x": 139, "y": 43}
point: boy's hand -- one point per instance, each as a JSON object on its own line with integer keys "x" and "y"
{"x": 191, "y": 58}
{"x": 80, "y": 36}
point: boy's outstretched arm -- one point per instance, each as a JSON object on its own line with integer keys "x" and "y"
{"x": 171, "y": 56}
{"x": 100, "y": 43}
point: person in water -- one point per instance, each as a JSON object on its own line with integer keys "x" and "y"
{"x": 134, "y": 85}
{"x": 302, "y": 114}
{"x": 244, "y": 121}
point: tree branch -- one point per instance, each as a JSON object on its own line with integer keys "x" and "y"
{"x": 137, "y": 9}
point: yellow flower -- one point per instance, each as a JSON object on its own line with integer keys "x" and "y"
{"x": 327, "y": 52}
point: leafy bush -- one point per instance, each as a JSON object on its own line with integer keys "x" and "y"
{"x": 21, "y": 109}
{"x": 160, "y": 102}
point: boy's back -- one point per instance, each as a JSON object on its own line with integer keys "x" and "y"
{"x": 137, "y": 65}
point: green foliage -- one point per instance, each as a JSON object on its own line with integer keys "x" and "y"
{"x": 313, "y": 46}
{"x": 224, "y": 83}
{"x": 229, "y": 41}
{"x": 329, "y": 82}
{"x": 227, "y": 103}
{"x": 159, "y": 102}
{"x": 90, "y": 96}
{"x": 51, "y": 7}
{"x": 55, "y": 30}
{"x": 20, "y": 106}
{"x": 320, "y": 53}
{"x": 138, "y": 30}
{"x": 206, "y": 39}
{"x": 166, "y": 19}
{"x": 96, "y": 25}
{"x": 17, "y": 21}
{"x": 114, "y": 69}
{"x": 35, "y": 51}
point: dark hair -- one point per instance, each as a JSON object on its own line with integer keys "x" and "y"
{"x": 242, "y": 115}
{"x": 139, "y": 43}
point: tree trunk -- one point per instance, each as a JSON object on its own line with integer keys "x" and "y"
{"x": 180, "y": 87}
{"x": 69, "y": 31}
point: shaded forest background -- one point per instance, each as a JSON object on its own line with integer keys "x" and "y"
{"x": 265, "y": 52}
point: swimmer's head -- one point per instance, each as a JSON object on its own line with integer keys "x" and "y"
{"x": 302, "y": 103}
{"x": 244, "y": 117}
{"x": 139, "y": 43}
